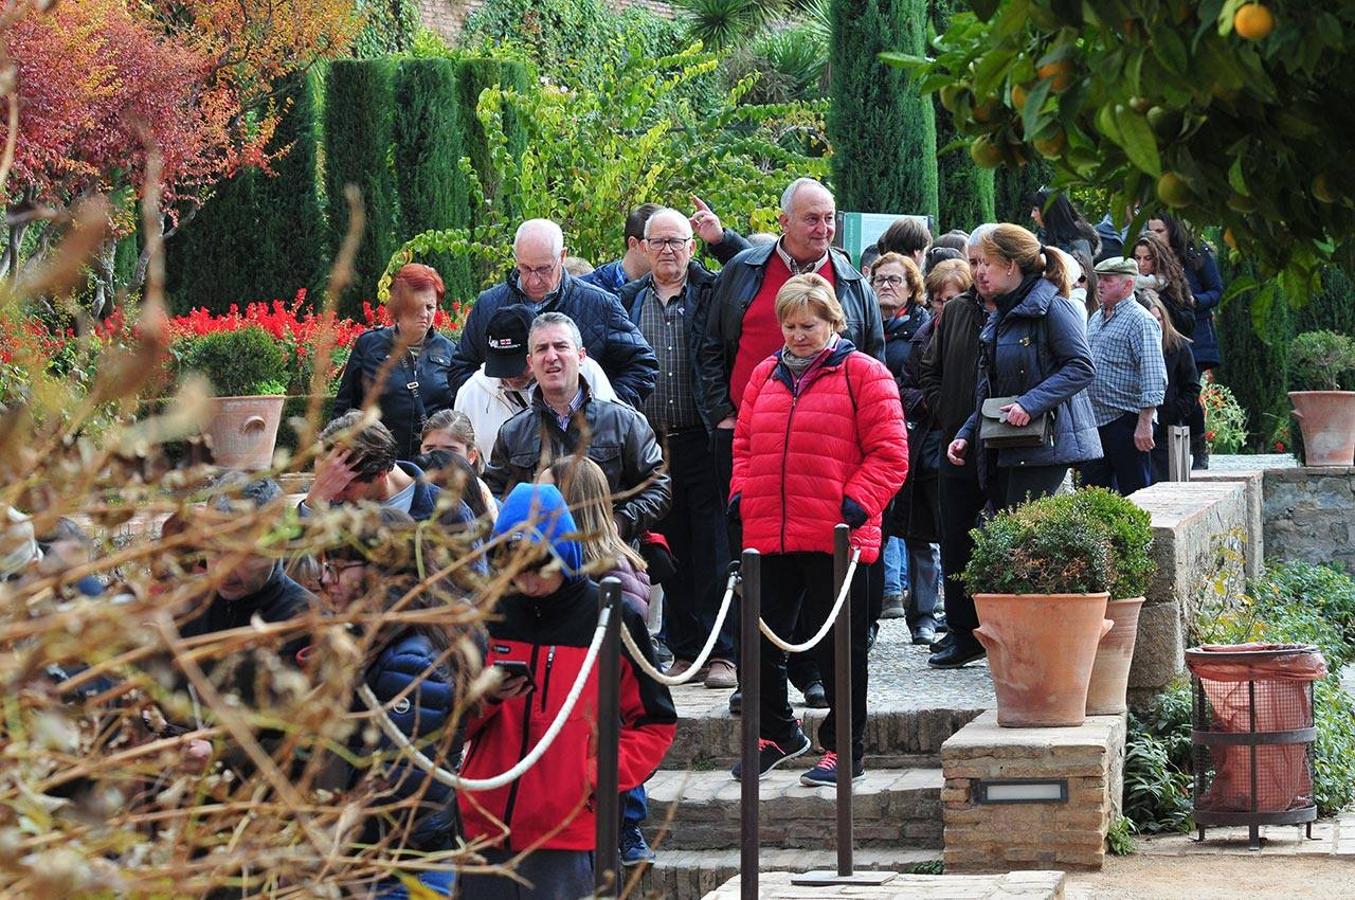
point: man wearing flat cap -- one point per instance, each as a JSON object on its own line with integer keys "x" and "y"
{"x": 1130, "y": 382}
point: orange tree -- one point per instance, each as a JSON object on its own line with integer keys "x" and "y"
{"x": 1230, "y": 113}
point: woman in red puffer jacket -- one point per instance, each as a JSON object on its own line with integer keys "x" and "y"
{"x": 819, "y": 440}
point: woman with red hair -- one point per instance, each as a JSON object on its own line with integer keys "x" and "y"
{"x": 415, "y": 384}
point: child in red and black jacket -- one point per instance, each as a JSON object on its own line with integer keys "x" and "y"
{"x": 547, "y": 624}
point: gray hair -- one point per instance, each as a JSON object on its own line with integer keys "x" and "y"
{"x": 667, "y": 210}
{"x": 541, "y": 228}
{"x": 547, "y": 319}
{"x": 788, "y": 195}
{"x": 978, "y": 234}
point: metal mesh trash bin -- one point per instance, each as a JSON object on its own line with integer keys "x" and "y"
{"x": 1253, "y": 735}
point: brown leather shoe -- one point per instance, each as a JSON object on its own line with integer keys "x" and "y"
{"x": 722, "y": 676}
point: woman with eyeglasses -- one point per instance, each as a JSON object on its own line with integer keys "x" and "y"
{"x": 902, "y": 296}
{"x": 414, "y": 669}
{"x": 417, "y": 384}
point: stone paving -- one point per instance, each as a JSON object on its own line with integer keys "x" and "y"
{"x": 1029, "y": 885}
{"x": 1331, "y": 837}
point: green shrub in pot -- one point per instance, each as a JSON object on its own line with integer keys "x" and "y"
{"x": 1130, "y": 529}
{"x": 1053, "y": 545}
{"x": 1322, "y": 361}
{"x": 243, "y": 363}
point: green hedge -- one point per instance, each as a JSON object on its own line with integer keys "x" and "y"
{"x": 882, "y": 130}
{"x": 1013, "y": 186}
{"x": 429, "y": 134}
{"x": 359, "y": 133}
{"x": 260, "y": 236}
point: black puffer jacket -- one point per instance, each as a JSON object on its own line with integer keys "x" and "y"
{"x": 950, "y": 364}
{"x": 403, "y": 409}
{"x": 737, "y": 285}
{"x": 619, "y": 440}
{"x": 609, "y": 336}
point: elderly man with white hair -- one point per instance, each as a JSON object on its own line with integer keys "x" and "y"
{"x": 539, "y": 281}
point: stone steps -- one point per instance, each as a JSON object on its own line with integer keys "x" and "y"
{"x": 903, "y": 738}
{"x": 692, "y": 874}
{"x": 898, "y": 809}
{"x": 1037, "y": 885}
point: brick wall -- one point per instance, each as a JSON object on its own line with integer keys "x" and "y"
{"x": 446, "y": 17}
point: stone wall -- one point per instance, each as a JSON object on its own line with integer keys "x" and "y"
{"x": 1202, "y": 532}
{"x": 1309, "y": 515}
{"x": 1068, "y": 834}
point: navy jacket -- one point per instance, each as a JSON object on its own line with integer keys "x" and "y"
{"x": 1037, "y": 351}
{"x": 434, "y": 822}
{"x": 401, "y": 411}
{"x": 609, "y": 335}
{"x": 737, "y": 285}
{"x": 695, "y": 308}
{"x": 1202, "y": 273}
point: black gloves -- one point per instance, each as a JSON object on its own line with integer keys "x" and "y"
{"x": 852, "y": 513}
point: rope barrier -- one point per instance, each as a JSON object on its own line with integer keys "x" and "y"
{"x": 827, "y": 623}
{"x": 473, "y": 785}
{"x": 674, "y": 680}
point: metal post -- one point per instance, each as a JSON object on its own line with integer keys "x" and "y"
{"x": 750, "y": 684}
{"x": 842, "y": 710}
{"x": 1178, "y": 453}
{"x": 606, "y": 874}
{"x": 842, "y": 665}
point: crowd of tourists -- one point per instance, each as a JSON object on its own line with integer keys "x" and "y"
{"x": 651, "y": 419}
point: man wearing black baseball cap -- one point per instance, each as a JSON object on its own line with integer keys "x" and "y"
{"x": 501, "y": 388}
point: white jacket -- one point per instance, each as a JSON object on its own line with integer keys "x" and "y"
{"x": 489, "y": 403}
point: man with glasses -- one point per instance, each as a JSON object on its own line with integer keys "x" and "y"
{"x": 669, "y": 306}
{"x": 540, "y": 281}
{"x": 614, "y": 275}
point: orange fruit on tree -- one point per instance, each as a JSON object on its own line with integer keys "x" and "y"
{"x": 1229, "y": 238}
{"x": 1051, "y": 146}
{"x": 1019, "y": 95}
{"x": 1253, "y": 22}
{"x": 1060, "y": 71}
{"x": 1173, "y": 190}
{"x": 985, "y": 154}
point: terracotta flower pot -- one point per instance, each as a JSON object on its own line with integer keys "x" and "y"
{"x": 1040, "y": 651}
{"x": 1110, "y": 671}
{"x": 1327, "y": 419}
{"x": 244, "y": 431}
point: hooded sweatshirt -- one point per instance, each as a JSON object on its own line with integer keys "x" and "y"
{"x": 551, "y": 635}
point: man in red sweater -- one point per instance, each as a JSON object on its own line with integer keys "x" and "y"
{"x": 741, "y": 328}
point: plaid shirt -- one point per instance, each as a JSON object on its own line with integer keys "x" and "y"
{"x": 1131, "y": 372}
{"x": 672, "y": 406}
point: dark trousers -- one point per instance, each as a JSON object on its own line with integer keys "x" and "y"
{"x": 799, "y": 587}
{"x": 1014, "y": 485}
{"x": 962, "y": 500}
{"x": 695, "y": 529}
{"x": 551, "y": 874}
{"x": 1123, "y": 468}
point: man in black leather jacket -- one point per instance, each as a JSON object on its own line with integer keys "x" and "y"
{"x": 564, "y": 419}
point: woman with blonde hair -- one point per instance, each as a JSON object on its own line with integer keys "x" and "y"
{"x": 584, "y": 486}
{"x": 819, "y": 441}
{"x": 1034, "y": 356}
{"x": 1183, "y": 383}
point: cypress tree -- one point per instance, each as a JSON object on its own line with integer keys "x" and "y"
{"x": 359, "y": 122}
{"x": 882, "y": 129}
{"x": 476, "y": 75}
{"x": 210, "y": 261}
{"x": 291, "y": 241}
{"x": 966, "y": 191}
{"x": 1255, "y": 366}
{"x": 1013, "y": 187}
{"x": 429, "y": 130}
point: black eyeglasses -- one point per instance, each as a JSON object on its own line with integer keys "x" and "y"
{"x": 891, "y": 280}
{"x": 333, "y": 570}
{"x": 674, "y": 244}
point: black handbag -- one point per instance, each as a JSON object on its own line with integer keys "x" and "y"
{"x": 997, "y": 433}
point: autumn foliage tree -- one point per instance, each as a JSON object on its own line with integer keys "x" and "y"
{"x": 98, "y": 82}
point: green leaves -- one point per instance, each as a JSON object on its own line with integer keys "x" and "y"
{"x": 1137, "y": 139}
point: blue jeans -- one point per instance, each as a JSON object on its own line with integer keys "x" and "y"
{"x": 634, "y": 805}
{"x": 896, "y": 567}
